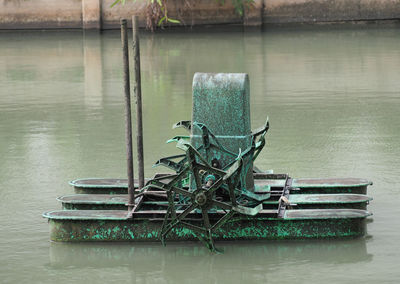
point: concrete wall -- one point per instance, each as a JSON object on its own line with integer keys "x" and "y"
{"x": 97, "y": 14}
{"x": 306, "y": 11}
{"x": 200, "y": 12}
{"x": 32, "y": 14}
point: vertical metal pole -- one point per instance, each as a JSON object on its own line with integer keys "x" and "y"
{"x": 128, "y": 120}
{"x": 137, "y": 89}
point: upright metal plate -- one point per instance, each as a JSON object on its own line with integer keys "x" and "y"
{"x": 222, "y": 102}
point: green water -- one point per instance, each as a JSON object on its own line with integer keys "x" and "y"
{"x": 333, "y": 99}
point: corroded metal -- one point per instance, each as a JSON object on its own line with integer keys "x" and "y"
{"x": 94, "y": 201}
{"x": 317, "y": 185}
{"x": 102, "y": 185}
{"x": 90, "y": 225}
{"x": 216, "y": 154}
{"x": 137, "y": 89}
{"x": 332, "y": 185}
{"x": 202, "y": 197}
{"x": 302, "y": 201}
{"x": 215, "y": 192}
{"x": 222, "y": 103}
{"x": 128, "y": 119}
{"x": 101, "y": 182}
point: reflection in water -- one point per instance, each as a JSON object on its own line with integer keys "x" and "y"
{"x": 92, "y": 62}
{"x": 240, "y": 260}
{"x": 272, "y": 253}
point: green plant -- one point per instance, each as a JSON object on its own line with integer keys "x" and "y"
{"x": 240, "y": 5}
{"x": 157, "y": 11}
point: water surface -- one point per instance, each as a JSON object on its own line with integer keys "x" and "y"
{"x": 333, "y": 99}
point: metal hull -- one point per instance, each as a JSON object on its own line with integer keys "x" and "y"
{"x": 81, "y": 226}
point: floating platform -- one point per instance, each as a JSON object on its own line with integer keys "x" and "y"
{"x": 102, "y": 185}
{"x": 265, "y": 181}
{"x": 301, "y": 201}
{"x": 216, "y": 192}
{"x": 113, "y": 225}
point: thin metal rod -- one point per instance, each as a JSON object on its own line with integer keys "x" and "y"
{"x": 128, "y": 120}
{"x": 137, "y": 89}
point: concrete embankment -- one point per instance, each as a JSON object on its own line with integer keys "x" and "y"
{"x": 98, "y": 14}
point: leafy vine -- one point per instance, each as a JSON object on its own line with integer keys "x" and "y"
{"x": 157, "y": 11}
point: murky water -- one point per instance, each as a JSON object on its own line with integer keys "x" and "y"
{"x": 333, "y": 99}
